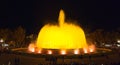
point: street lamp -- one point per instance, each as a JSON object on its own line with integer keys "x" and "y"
{"x": 1, "y": 40}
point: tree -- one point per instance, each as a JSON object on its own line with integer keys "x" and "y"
{"x": 97, "y": 36}
{"x": 19, "y": 36}
{"x": 5, "y": 34}
{"x": 111, "y": 36}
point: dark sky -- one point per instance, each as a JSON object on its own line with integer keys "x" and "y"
{"x": 32, "y": 14}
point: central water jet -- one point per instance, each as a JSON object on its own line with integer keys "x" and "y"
{"x": 62, "y": 36}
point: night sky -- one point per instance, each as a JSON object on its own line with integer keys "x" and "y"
{"x": 32, "y": 15}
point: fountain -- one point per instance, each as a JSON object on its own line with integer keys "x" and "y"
{"x": 61, "y": 39}
{"x": 62, "y": 43}
{"x": 65, "y": 37}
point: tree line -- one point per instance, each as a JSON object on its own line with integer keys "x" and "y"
{"x": 14, "y": 37}
{"x": 100, "y": 36}
{"x": 17, "y": 37}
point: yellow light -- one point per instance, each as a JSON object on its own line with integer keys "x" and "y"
{"x": 49, "y": 52}
{"x": 76, "y": 51}
{"x": 63, "y": 52}
{"x": 39, "y": 51}
{"x": 85, "y": 50}
{"x": 32, "y": 50}
{"x": 91, "y": 50}
{"x": 31, "y": 47}
{"x": 64, "y": 35}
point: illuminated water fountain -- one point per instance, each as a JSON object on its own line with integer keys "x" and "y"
{"x": 64, "y": 38}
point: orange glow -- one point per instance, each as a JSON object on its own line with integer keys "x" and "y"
{"x": 39, "y": 51}
{"x": 32, "y": 50}
{"x": 63, "y": 52}
{"x": 76, "y": 51}
{"x": 49, "y": 52}
{"x": 91, "y": 48}
{"x": 85, "y": 50}
{"x": 31, "y": 47}
{"x": 64, "y": 35}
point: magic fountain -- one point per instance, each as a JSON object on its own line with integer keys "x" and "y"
{"x": 62, "y": 38}
{"x": 62, "y": 43}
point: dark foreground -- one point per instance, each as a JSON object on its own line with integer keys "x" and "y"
{"x": 18, "y": 59}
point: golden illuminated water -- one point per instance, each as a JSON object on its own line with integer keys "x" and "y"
{"x": 62, "y": 36}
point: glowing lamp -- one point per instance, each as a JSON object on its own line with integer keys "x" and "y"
{"x": 63, "y": 52}
{"x": 91, "y": 50}
{"x": 76, "y": 51}
{"x": 32, "y": 49}
{"x": 39, "y": 51}
{"x": 49, "y": 52}
{"x": 85, "y": 50}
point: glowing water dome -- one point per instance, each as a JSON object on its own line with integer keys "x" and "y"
{"x": 62, "y": 36}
